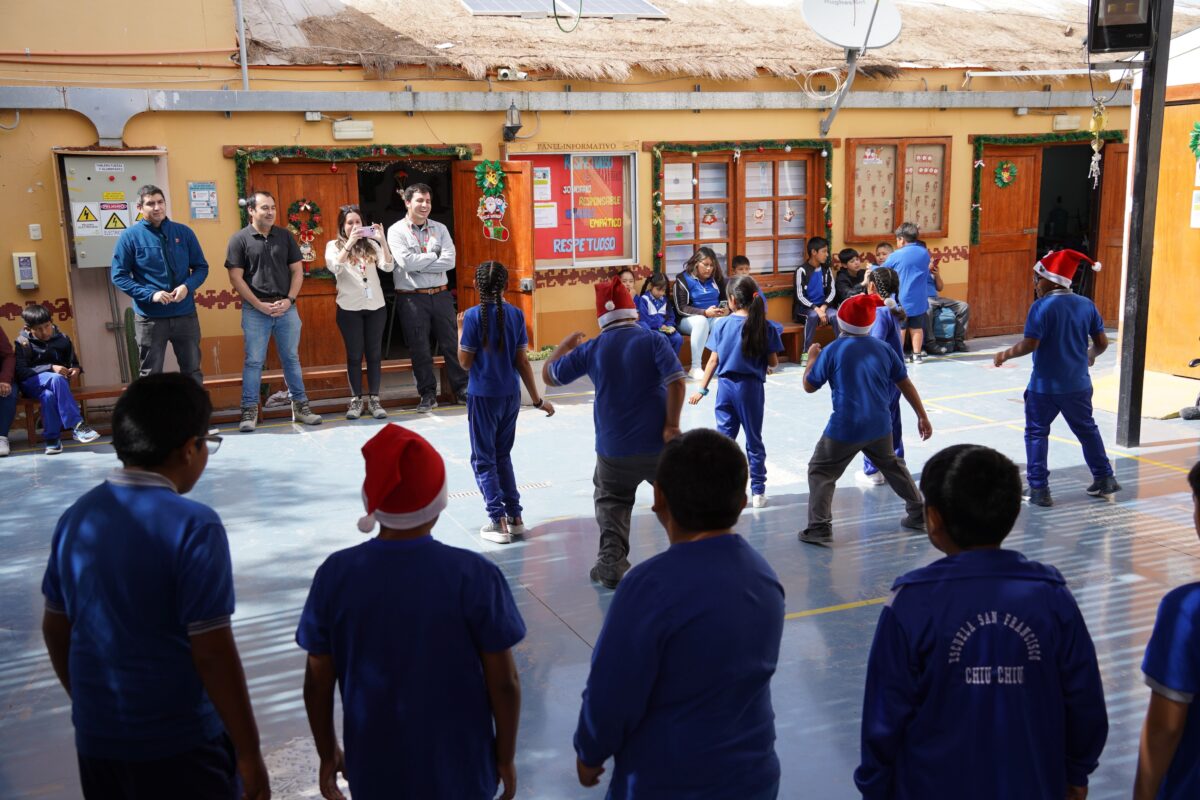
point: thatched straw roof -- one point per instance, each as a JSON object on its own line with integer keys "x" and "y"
{"x": 718, "y": 39}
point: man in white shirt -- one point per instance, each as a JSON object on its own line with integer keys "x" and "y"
{"x": 424, "y": 253}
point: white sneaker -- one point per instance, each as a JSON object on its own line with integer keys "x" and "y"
{"x": 496, "y": 531}
{"x": 4, "y": 448}
{"x": 516, "y": 528}
{"x": 758, "y": 501}
{"x": 863, "y": 479}
{"x": 83, "y": 433}
{"x": 698, "y": 374}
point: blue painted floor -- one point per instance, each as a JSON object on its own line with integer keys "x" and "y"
{"x": 290, "y": 496}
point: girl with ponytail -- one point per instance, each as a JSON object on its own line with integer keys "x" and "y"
{"x": 885, "y": 282}
{"x": 655, "y": 313}
{"x": 744, "y": 346}
{"x": 492, "y": 350}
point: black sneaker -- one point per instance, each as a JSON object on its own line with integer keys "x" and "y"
{"x": 816, "y": 536}
{"x": 606, "y": 575}
{"x": 1191, "y": 412}
{"x": 428, "y": 403}
{"x": 1104, "y": 487}
{"x": 1040, "y": 497}
{"x": 461, "y": 397}
{"x": 960, "y": 347}
{"x": 914, "y": 522}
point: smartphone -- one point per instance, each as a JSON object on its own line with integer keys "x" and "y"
{"x": 724, "y": 305}
{"x": 368, "y": 233}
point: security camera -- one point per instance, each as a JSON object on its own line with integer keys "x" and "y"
{"x": 504, "y": 74}
{"x": 522, "y": 75}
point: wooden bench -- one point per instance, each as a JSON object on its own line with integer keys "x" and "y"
{"x": 32, "y": 407}
{"x": 793, "y": 342}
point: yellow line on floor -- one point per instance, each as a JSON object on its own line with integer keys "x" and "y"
{"x": 1011, "y": 390}
{"x": 812, "y": 612}
{"x": 967, "y": 414}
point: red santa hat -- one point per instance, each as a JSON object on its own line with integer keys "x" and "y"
{"x": 405, "y": 485}
{"x": 613, "y": 302}
{"x": 1062, "y": 265}
{"x": 857, "y": 314}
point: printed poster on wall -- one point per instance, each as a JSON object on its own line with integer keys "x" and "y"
{"x": 202, "y": 199}
{"x": 595, "y": 203}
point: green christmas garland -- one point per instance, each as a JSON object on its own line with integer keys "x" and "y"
{"x": 244, "y": 157}
{"x": 1194, "y": 140}
{"x": 1015, "y": 139}
{"x": 489, "y": 176}
{"x": 1006, "y": 173}
{"x": 754, "y": 146}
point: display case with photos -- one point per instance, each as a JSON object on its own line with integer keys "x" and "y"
{"x": 889, "y": 181}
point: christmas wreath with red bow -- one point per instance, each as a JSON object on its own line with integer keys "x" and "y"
{"x": 304, "y": 230}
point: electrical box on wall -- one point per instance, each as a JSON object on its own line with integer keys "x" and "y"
{"x": 101, "y": 202}
{"x": 25, "y": 270}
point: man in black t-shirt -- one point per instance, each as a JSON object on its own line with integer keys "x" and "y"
{"x": 265, "y": 268}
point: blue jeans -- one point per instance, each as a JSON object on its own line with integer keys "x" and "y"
{"x": 257, "y": 330}
{"x": 58, "y": 404}
{"x": 492, "y": 422}
{"x": 8, "y": 410}
{"x": 697, "y": 327}
{"x": 1076, "y": 408}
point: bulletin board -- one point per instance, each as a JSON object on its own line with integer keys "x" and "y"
{"x": 891, "y": 181}
{"x": 872, "y": 206}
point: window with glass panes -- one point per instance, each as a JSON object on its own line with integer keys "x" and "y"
{"x": 763, "y": 206}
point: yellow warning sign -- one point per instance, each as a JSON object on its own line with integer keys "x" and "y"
{"x": 113, "y": 196}
{"x": 86, "y": 215}
{"x": 114, "y": 224}
{"x": 139, "y": 217}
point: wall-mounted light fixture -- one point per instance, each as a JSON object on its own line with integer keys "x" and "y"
{"x": 512, "y": 122}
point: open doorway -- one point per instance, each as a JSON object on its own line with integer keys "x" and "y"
{"x": 1069, "y": 207}
{"x": 381, "y": 198}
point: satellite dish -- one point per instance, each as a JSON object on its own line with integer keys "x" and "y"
{"x": 845, "y": 22}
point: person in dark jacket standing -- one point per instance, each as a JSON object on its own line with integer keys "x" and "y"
{"x": 815, "y": 292}
{"x": 159, "y": 263}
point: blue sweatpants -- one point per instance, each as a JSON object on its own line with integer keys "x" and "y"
{"x": 492, "y": 422}
{"x": 8, "y": 410}
{"x": 676, "y": 340}
{"x": 1076, "y": 408}
{"x": 59, "y": 409}
{"x": 897, "y": 439}
{"x": 740, "y": 401}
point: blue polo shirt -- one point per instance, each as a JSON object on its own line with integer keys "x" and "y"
{"x": 148, "y": 260}
{"x": 1172, "y": 669}
{"x": 726, "y": 341}
{"x": 911, "y": 262}
{"x": 137, "y": 569}
{"x": 887, "y": 330}
{"x": 494, "y": 372}
{"x": 931, "y": 289}
{"x": 679, "y": 691}
{"x": 982, "y": 682}
{"x": 405, "y": 622}
{"x": 630, "y": 368}
{"x": 863, "y": 373}
{"x": 1063, "y": 323}
{"x": 704, "y": 294}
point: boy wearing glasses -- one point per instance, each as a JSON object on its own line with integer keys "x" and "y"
{"x": 139, "y": 595}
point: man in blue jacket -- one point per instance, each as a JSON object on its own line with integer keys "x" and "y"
{"x": 159, "y": 264}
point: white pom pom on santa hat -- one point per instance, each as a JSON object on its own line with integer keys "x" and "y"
{"x": 1096, "y": 266}
{"x": 610, "y": 305}
{"x": 890, "y": 302}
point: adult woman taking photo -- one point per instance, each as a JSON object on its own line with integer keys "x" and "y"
{"x": 699, "y": 297}
{"x": 353, "y": 258}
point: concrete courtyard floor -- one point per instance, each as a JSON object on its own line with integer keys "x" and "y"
{"x": 289, "y": 496}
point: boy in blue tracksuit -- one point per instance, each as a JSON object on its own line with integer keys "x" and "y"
{"x": 1058, "y": 330}
{"x": 45, "y": 364}
{"x": 639, "y": 394}
{"x": 1169, "y": 757}
{"x": 679, "y": 693}
{"x": 655, "y": 312}
{"x": 982, "y": 680}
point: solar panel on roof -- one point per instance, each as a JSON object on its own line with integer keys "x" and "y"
{"x": 510, "y": 8}
{"x": 612, "y": 8}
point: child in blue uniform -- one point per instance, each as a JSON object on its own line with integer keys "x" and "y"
{"x": 492, "y": 350}
{"x": 911, "y": 260}
{"x": 655, "y": 313}
{"x": 1058, "y": 330}
{"x": 139, "y": 596}
{"x": 862, "y": 371}
{"x": 884, "y": 282}
{"x": 639, "y": 394}
{"x": 1169, "y": 760}
{"x": 812, "y": 302}
{"x": 46, "y": 363}
{"x": 743, "y": 347}
{"x": 418, "y": 637}
{"x": 679, "y": 691}
{"x": 982, "y": 681}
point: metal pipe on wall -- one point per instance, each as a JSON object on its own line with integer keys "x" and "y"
{"x": 241, "y": 15}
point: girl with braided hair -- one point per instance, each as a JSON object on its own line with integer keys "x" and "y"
{"x": 492, "y": 351}
{"x": 885, "y": 282}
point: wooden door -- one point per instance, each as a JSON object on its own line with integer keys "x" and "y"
{"x": 1000, "y": 289}
{"x": 475, "y": 246}
{"x": 289, "y": 181}
{"x": 1110, "y": 251}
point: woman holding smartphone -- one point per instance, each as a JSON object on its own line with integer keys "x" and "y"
{"x": 699, "y": 297}
{"x": 353, "y": 258}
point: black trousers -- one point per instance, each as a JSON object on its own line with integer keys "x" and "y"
{"x": 208, "y": 772}
{"x": 362, "y": 331}
{"x": 421, "y": 315}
